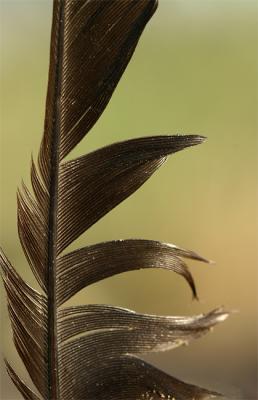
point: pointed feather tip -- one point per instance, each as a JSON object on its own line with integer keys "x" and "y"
{"x": 198, "y": 257}
{"x": 205, "y": 260}
{"x": 181, "y": 142}
{"x": 195, "y": 297}
{"x": 221, "y": 314}
{"x": 193, "y": 140}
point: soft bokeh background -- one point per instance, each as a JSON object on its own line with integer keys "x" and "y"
{"x": 194, "y": 71}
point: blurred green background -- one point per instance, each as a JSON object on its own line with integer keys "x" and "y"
{"x": 194, "y": 71}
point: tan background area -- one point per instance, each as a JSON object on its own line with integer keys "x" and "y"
{"x": 195, "y": 71}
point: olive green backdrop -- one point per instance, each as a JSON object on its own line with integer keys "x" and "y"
{"x": 194, "y": 71}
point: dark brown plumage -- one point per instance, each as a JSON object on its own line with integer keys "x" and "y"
{"x": 91, "y": 44}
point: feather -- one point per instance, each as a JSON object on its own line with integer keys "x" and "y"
{"x": 92, "y": 351}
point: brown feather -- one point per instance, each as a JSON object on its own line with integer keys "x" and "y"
{"x": 91, "y": 352}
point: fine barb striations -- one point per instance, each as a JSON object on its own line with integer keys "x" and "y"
{"x": 92, "y": 352}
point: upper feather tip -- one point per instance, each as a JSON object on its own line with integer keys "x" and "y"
{"x": 183, "y": 141}
{"x": 196, "y": 139}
